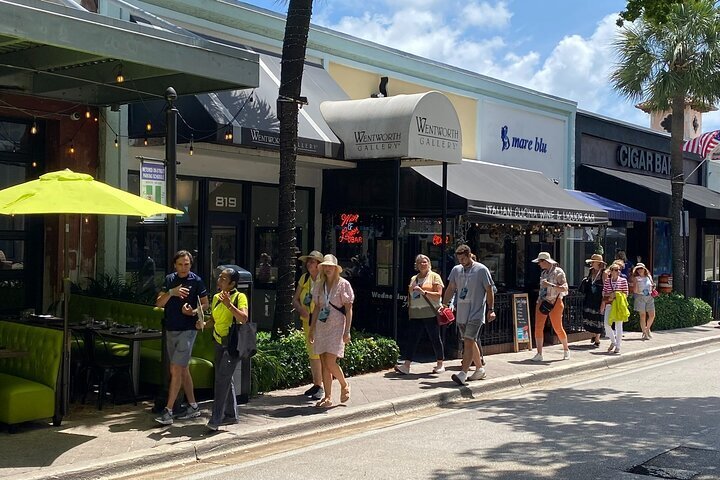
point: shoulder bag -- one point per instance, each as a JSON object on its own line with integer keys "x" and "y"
{"x": 444, "y": 315}
{"x": 242, "y": 338}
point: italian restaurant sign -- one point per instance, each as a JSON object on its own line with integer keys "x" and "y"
{"x": 535, "y": 214}
{"x": 421, "y": 126}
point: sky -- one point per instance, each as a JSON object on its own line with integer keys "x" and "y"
{"x": 559, "y": 47}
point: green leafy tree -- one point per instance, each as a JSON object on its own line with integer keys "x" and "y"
{"x": 665, "y": 66}
{"x": 297, "y": 27}
{"x": 651, "y": 10}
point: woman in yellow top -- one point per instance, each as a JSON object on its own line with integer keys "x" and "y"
{"x": 227, "y": 305}
{"x": 424, "y": 297}
{"x": 304, "y": 305}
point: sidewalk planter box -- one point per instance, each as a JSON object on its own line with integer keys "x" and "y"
{"x": 201, "y": 363}
{"x": 28, "y": 384}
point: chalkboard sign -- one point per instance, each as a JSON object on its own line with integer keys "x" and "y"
{"x": 521, "y": 321}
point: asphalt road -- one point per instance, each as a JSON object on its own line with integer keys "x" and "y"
{"x": 658, "y": 417}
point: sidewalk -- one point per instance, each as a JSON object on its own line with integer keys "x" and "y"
{"x": 99, "y": 444}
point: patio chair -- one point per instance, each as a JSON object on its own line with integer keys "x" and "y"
{"x": 106, "y": 369}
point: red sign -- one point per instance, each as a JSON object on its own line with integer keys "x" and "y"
{"x": 437, "y": 239}
{"x": 349, "y": 231}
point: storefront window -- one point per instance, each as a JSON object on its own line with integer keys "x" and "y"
{"x": 264, "y": 215}
{"x": 15, "y": 137}
{"x": 711, "y": 258}
{"x": 146, "y": 240}
{"x": 661, "y": 246}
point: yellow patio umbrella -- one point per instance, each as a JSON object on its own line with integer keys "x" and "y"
{"x": 68, "y": 192}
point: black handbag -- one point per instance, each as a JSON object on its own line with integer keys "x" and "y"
{"x": 546, "y": 307}
{"x": 242, "y": 340}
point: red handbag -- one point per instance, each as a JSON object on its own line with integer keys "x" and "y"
{"x": 445, "y": 316}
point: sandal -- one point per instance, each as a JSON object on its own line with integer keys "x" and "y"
{"x": 324, "y": 403}
{"x": 345, "y": 394}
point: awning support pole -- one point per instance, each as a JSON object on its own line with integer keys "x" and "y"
{"x": 396, "y": 249}
{"x": 443, "y": 232}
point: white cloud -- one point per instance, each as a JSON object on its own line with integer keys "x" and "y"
{"x": 577, "y": 68}
{"x": 483, "y": 14}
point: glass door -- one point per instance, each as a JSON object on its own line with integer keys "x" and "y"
{"x": 226, "y": 242}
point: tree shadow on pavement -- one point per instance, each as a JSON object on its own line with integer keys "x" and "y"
{"x": 589, "y": 433}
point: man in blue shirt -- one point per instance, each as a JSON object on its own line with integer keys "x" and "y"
{"x": 179, "y": 296}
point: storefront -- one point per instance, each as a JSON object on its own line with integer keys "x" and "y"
{"x": 631, "y": 165}
{"x": 507, "y": 215}
{"x": 228, "y": 185}
{"x": 66, "y": 73}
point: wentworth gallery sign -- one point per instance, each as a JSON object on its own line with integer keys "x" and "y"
{"x": 420, "y": 126}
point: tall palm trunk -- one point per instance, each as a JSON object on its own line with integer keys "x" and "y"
{"x": 677, "y": 182}
{"x": 297, "y": 27}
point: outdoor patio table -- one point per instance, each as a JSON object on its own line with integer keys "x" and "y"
{"x": 134, "y": 339}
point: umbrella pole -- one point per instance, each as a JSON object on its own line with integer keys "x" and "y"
{"x": 65, "y": 376}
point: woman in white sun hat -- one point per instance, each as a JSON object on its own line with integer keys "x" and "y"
{"x": 330, "y": 327}
{"x": 643, "y": 301}
{"x": 553, "y": 287}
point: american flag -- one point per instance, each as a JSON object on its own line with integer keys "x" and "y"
{"x": 703, "y": 145}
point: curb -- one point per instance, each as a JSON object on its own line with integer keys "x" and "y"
{"x": 191, "y": 452}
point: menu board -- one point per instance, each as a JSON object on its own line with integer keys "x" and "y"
{"x": 521, "y": 321}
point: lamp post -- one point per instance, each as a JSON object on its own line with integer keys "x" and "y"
{"x": 171, "y": 241}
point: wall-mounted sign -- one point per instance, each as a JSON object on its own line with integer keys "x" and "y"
{"x": 349, "y": 229}
{"x": 253, "y": 137}
{"x": 152, "y": 186}
{"x": 538, "y": 214}
{"x": 643, "y": 159}
{"x": 524, "y": 138}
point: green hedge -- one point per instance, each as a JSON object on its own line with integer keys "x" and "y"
{"x": 673, "y": 311}
{"x": 283, "y": 363}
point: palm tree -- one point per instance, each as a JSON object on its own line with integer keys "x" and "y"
{"x": 297, "y": 26}
{"x": 667, "y": 65}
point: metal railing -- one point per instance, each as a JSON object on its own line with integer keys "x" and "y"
{"x": 503, "y": 329}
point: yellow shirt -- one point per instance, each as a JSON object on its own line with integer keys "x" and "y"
{"x": 223, "y": 316}
{"x": 306, "y": 293}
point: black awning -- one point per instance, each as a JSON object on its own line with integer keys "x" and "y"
{"x": 69, "y": 54}
{"x": 652, "y": 194}
{"x": 507, "y": 194}
{"x": 209, "y": 117}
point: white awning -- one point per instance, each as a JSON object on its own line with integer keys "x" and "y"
{"x": 422, "y": 129}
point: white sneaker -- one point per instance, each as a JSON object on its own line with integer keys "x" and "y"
{"x": 478, "y": 374}
{"x": 402, "y": 369}
{"x": 617, "y": 351}
{"x": 566, "y": 355}
{"x": 439, "y": 369}
{"x": 537, "y": 358}
{"x": 460, "y": 378}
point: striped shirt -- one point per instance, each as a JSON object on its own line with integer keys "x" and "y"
{"x": 619, "y": 285}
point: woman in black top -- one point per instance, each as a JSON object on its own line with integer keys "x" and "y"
{"x": 592, "y": 287}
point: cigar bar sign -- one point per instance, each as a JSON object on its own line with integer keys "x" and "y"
{"x": 643, "y": 160}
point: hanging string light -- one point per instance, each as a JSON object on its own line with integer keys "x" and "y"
{"x": 191, "y": 145}
{"x": 229, "y": 134}
{"x": 72, "y": 148}
{"x": 145, "y": 141}
{"x": 116, "y": 141}
{"x": 120, "y": 78}
{"x": 33, "y": 129}
{"x": 148, "y": 126}
{"x": 88, "y": 114}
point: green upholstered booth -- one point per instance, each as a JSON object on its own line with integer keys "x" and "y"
{"x": 201, "y": 364}
{"x": 28, "y": 383}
